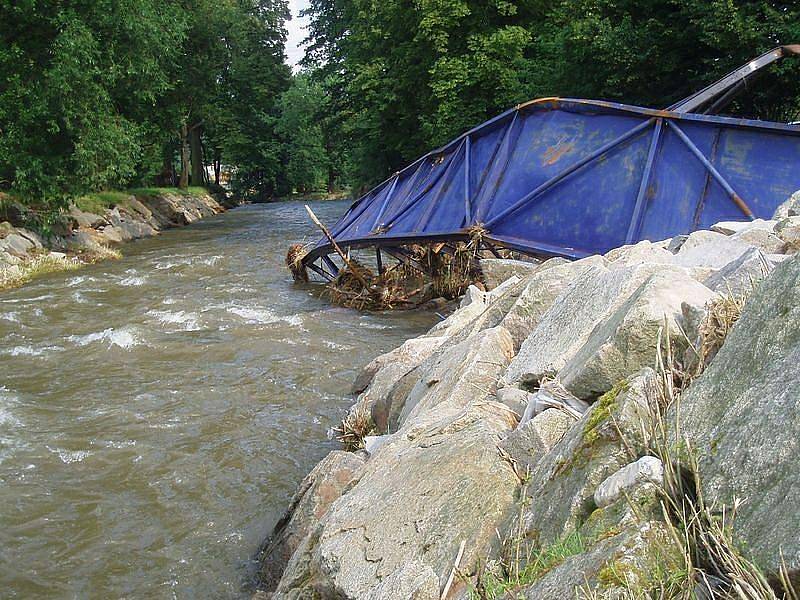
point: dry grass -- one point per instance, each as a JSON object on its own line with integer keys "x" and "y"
{"x": 716, "y": 569}
{"x": 721, "y": 316}
{"x": 294, "y": 261}
{"x": 11, "y": 277}
{"x": 354, "y": 428}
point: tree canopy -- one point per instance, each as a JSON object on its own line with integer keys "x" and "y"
{"x": 101, "y": 94}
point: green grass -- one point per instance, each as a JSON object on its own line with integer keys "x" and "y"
{"x": 540, "y": 562}
{"x": 158, "y": 191}
{"x": 97, "y": 202}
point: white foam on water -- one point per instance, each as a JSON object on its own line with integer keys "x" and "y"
{"x": 12, "y": 316}
{"x": 70, "y": 456}
{"x": 9, "y": 423}
{"x": 30, "y": 350}
{"x": 188, "y": 321}
{"x": 335, "y": 346}
{"x": 125, "y": 338}
{"x": 133, "y": 280}
{"x": 263, "y": 316}
{"x": 21, "y": 300}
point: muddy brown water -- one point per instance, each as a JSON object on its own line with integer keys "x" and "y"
{"x": 157, "y": 412}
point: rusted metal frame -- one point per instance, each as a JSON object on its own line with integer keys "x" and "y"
{"x": 425, "y": 217}
{"x": 487, "y": 168}
{"x": 467, "y": 158}
{"x": 641, "y": 198}
{"x": 509, "y": 150}
{"x": 410, "y": 204}
{"x": 737, "y": 200}
{"x": 699, "y": 99}
{"x": 698, "y": 212}
{"x": 573, "y": 168}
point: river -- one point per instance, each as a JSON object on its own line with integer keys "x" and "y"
{"x": 157, "y": 412}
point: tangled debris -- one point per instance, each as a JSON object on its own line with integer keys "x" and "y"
{"x": 422, "y": 273}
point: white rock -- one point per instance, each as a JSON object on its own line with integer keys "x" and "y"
{"x": 57, "y": 255}
{"x": 740, "y": 276}
{"x": 761, "y": 238}
{"x": 373, "y": 442}
{"x": 498, "y": 270}
{"x": 529, "y": 442}
{"x": 647, "y": 469}
{"x": 733, "y": 227}
{"x": 643, "y": 252}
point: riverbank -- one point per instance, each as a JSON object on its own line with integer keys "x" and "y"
{"x": 576, "y": 431}
{"x": 95, "y": 227}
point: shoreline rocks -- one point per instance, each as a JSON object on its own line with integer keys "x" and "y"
{"x": 91, "y": 237}
{"x": 522, "y": 421}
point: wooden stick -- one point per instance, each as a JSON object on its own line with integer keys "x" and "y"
{"x": 336, "y": 247}
{"x": 453, "y": 572}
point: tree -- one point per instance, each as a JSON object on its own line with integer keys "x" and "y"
{"x": 306, "y": 160}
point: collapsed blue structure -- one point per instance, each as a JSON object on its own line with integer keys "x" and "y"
{"x": 567, "y": 177}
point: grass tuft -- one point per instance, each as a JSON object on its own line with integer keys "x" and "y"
{"x": 15, "y": 276}
{"x": 354, "y": 428}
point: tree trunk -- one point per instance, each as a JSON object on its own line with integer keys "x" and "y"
{"x": 196, "y": 148}
{"x": 217, "y": 166}
{"x": 184, "y": 180}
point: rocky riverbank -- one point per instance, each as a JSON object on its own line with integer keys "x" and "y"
{"x": 88, "y": 236}
{"x": 584, "y": 429}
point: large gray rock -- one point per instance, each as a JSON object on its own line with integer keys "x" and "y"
{"x": 431, "y": 486}
{"x": 85, "y": 219}
{"x": 563, "y": 329}
{"x": 709, "y": 249}
{"x": 643, "y": 252}
{"x": 330, "y": 478}
{"x": 539, "y": 292}
{"x": 532, "y": 440}
{"x": 464, "y": 371}
{"x": 627, "y": 340}
{"x": 498, "y": 270}
{"x": 762, "y": 238}
{"x": 743, "y": 417}
{"x": 788, "y": 230}
{"x": 16, "y": 245}
{"x": 562, "y": 484}
{"x": 790, "y": 208}
{"x": 739, "y": 277}
{"x": 391, "y": 366}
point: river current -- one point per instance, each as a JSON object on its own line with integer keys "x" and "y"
{"x": 157, "y": 412}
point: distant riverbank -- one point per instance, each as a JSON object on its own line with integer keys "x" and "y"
{"x": 96, "y": 226}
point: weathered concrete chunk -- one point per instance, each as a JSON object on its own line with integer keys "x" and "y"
{"x": 739, "y": 277}
{"x": 498, "y": 270}
{"x": 627, "y": 340}
{"x": 743, "y": 417}
{"x": 532, "y": 440}
{"x": 431, "y": 486}
{"x": 647, "y": 469}
{"x": 562, "y": 484}
{"x": 566, "y": 326}
{"x": 464, "y": 371}
{"x": 790, "y": 208}
{"x": 320, "y": 488}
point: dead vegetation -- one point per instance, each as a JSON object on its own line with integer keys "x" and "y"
{"x": 354, "y": 428}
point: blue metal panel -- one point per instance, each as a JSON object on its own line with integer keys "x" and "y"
{"x": 573, "y": 177}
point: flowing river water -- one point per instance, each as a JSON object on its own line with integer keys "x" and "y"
{"x": 157, "y": 412}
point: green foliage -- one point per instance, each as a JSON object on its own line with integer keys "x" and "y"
{"x": 404, "y": 78}
{"x": 93, "y": 95}
{"x": 305, "y": 161}
{"x": 539, "y": 563}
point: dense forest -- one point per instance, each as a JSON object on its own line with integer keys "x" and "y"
{"x": 108, "y": 94}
